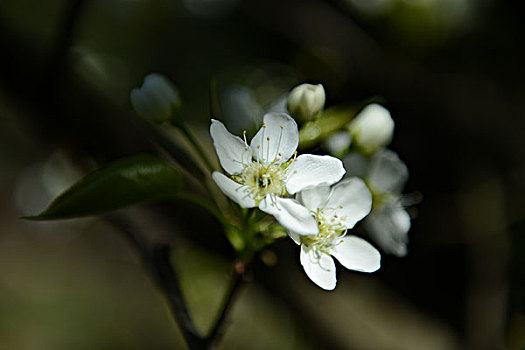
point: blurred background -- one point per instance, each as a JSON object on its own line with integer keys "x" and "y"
{"x": 450, "y": 71}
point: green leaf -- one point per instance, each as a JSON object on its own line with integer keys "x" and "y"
{"x": 122, "y": 183}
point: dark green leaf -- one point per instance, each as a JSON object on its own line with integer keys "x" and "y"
{"x": 122, "y": 183}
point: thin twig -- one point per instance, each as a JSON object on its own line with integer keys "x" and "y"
{"x": 217, "y": 331}
{"x": 157, "y": 262}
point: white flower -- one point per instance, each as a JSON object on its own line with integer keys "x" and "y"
{"x": 372, "y": 129}
{"x": 336, "y": 210}
{"x": 263, "y": 175}
{"x": 388, "y": 223}
{"x": 306, "y": 100}
{"x": 156, "y": 99}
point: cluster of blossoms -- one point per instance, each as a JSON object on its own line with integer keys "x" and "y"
{"x": 361, "y": 144}
{"x": 268, "y": 174}
{"x": 312, "y": 196}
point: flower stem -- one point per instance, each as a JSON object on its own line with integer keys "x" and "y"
{"x": 186, "y": 132}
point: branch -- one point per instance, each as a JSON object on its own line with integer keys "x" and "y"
{"x": 217, "y": 330}
{"x": 158, "y": 264}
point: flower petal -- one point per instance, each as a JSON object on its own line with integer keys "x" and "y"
{"x": 387, "y": 173}
{"x": 357, "y": 254}
{"x": 350, "y": 200}
{"x": 276, "y": 140}
{"x": 309, "y": 170}
{"x": 290, "y": 214}
{"x": 356, "y": 164}
{"x": 388, "y": 226}
{"x": 314, "y": 198}
{"x": 235, "y": 191}
{"x": 320, "y": 267}
{"x": 233, "y": 153}
{"x": 295, "y": 237}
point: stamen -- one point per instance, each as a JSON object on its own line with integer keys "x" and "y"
{"x": 268, "y": 149}
{"x": 279, "y": 142}
{"x": 244, "y": 137}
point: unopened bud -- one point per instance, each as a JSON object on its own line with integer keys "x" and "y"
{"x": 372, "y": 129}
{"x": 306, "y": 101}
{"x": 338, "y": 143}
{"x": 157, "y": 99}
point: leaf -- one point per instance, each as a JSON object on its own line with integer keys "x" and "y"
{"x": 122, "y": 183}
{"x": 331, "y": 120}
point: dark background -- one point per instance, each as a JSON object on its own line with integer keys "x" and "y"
{"x": 450, "y": 71}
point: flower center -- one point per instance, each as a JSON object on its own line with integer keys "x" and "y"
{"x": 331, "y": 231}
{"x": 262, "y": 180}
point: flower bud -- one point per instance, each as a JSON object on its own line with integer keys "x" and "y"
{"x": 338, "y": 143}
{"x": 157, "y": 99}
{"x": 306, "y": 101}
{"x": 372, "y": 129}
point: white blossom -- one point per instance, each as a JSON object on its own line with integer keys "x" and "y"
{"x": 266, "y": 172}
{"x": 372, "y": 129}
{"x": 156, "y": 99}
{"x": 306, "y": 100}
{"x": 336, "y": 210}
{"x": 385, "y": 174}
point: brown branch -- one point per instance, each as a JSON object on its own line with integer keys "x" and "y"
{"x": 157, "y": 262}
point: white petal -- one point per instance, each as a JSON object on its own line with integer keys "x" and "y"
{"x": 356, "y": 165}
{"x": 388, "y": 226}
{"x": 309, "y": 170}
{"x": 387, "y": 173}
{"x": 357, "y": 254}
{"x": 320, "y": 267}
{"x": 276, "y": 140}
{"x": 314, "y": 198}
{"x": 235, "y": 191}
{"x": 290, "y": 214}
{"x": 295, "y": 237}
{"x": 350, "y": 200}
{"x": 233, "y": 153}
